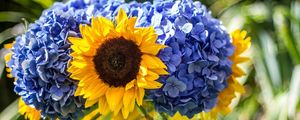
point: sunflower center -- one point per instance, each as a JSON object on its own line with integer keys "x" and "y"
{"x": 117, "y": 61}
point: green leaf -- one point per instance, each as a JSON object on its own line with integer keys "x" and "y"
{"x": 295, "y": 22}
{"x": 294, "y": 92}
{"x": 5, "y": 35}
{"x": 2, "y": 61}
{"x": 143, "y": 111}
{"x": 106, "y": 117}
{"x": 11, "y": 112}
{"x": 11, "y": 32}
{"x": 10, "y": 16}
{"x": 44, "y": 3}
{"x": 269, "y": 51}
{"x": 284, "y": 32}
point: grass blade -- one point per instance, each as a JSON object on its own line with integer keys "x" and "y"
{"x": 10, "y": 112}
{"x": 10, "y": 16}
{"x": 11, "y": 32}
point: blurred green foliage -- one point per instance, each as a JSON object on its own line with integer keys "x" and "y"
{"x": 273, "y": 82}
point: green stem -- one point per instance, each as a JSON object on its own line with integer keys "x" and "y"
{"x": 147, "y": 116}
{"x": 163, "y": 115}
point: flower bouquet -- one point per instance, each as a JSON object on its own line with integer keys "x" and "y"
{"x": 108, "y": 59}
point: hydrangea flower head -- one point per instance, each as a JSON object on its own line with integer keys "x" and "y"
{"x": 197, "y": 57}
{"x": 39, "y": 60}
{"x": 173, "y": 86}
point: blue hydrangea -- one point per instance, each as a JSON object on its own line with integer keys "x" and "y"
{"x": 40, "y": 59}
{"x": 197, "y": 57}
{"x": 173, "y": 86}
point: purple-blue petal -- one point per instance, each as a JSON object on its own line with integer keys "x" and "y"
{"x": 173, "y": 92}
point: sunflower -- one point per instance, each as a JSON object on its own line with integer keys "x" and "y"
{"x": 29, "y": 112}
{"x": 241, "y": 44}
{"x": 115, "y": 63}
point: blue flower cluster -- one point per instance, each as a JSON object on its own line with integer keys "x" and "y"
{"x": 196, "y": 56}
{"x": 40, "y": 59}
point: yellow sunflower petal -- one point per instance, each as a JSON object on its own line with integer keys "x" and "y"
{"x": 152, "y": 62}
{"x": 89, "y": 103}
{"x": 152, "y": 49}
{"x": 121, "y": 16}
{"x": 140, "y": 95}
{"x": 78, "y": 91}
{"x": 129, "y": 96}
{"x": 131, "y": 23}
{"x": 108, "y": 26}
{"x": 148, "y": 34}
{"x": 91, "y": 88}
{"x": 236, "y": 85}
{"x": 29, "y": 112}
{"x": 79, "y": 42}
{"x": 118, "y": 109}
{"x": 125, "y": 113}
{"x": 151, "y": 76}
{"x": 178, "y": 116}
{"x": 153, "y": 85}
{"x": 7, "y": 56}
{"x": 122, "y": 21}
{"x": 141, "y": 81}
{"x": 114, "y": 97}
{"x": 241, "y": 59}
{"x": 237, "y": 71}
{"x": 8, "y": 46}
{"x": 121, "y": 28}
{"x": 160, "y": 71}
{"x": 143, "y": 69}
{"x": 159, "y": 62}
{"x": 100, "y": 92}
{"x": 98, "y": 35}
{"x": 130, "y": 84}
{"x": 91, "y": 115}
{"x": 138, "y": 36}
{"x": 128, "y": 101}
{"x": 85, "y": 31}
{"x": 103, "y": 107}
{"x": 82, "y": 46}
{"x": 79, "y": 64}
